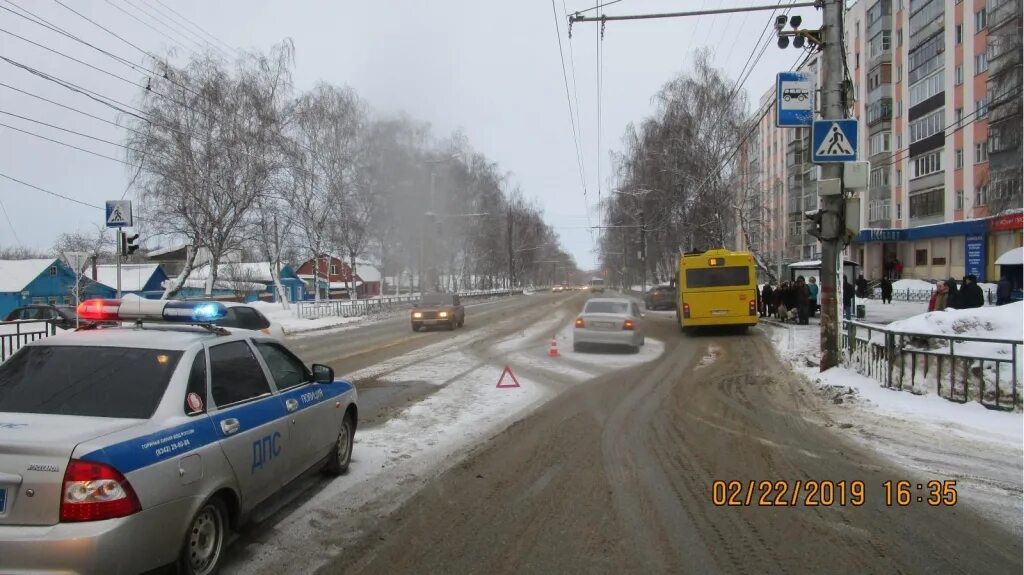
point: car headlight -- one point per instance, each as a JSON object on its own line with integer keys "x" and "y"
{"x": 417, "y": 314}
{"x": 443, "y": 314}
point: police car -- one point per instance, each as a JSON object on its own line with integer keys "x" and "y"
{"x": 124, "y": 449}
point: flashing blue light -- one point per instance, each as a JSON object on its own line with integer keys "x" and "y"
{"x": 194, "y": 312}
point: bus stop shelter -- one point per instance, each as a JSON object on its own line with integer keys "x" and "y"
{"x": 812, "y": 268}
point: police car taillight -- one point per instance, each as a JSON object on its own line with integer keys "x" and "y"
{"x": 95, "y": 491}
{"x": 151, "y": 310}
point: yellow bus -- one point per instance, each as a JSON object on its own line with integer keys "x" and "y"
{"x": 717, "y": 288}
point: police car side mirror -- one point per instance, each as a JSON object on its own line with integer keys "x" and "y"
{"x": 322, "y": 373}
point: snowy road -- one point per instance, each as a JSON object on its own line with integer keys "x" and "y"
{"x": 616, "y": 474}
{"x": 602, "y": 463}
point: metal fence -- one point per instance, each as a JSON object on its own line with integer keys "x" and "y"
{"x": 14, "y": 334}
{"x": 916, "y": 361}
{"x": 361, "y": 307}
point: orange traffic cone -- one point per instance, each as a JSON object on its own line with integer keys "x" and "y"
{"x": 553, "y": 349}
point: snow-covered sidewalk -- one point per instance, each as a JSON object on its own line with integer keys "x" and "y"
{"x": 931, "y": 436}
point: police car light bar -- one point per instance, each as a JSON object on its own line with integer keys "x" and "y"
{"x": 151, "y": 310}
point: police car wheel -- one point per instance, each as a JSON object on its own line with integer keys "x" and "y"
{"x": 341, "y": 456}
{"x": 204, "y": 541}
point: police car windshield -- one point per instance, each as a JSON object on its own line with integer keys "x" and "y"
{"x": 89, "y": 381}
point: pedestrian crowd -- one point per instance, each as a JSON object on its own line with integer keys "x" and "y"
{"x": 794, "y": 301}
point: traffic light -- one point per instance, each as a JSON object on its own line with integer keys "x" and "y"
{"x": 129, "y": 244}
{"x": 815, "y": 228}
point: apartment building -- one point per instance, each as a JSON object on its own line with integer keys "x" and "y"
{"x": 777, "y": 184}
{"x": 937, "y": 91}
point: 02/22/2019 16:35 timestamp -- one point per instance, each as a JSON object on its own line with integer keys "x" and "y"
{"x": 827, "y": 493}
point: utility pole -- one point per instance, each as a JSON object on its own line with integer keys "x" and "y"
{"x": 510, "y": 261}
{"x": 643, "y": 254}
{"x": 122, "y": 239}
{"x": 833, "y": 226}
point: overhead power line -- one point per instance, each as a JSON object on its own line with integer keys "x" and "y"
{"x": 576, "y": 17}
{"x": 55, "y": 194}
{"x": 163, "y": 23}
{"x": 148, "y": 25}
{"x": 107, "y": 30}
{"x": 198, "y": 27}
{"x": 40, "y": 21}
{"x": 568, "y": 99}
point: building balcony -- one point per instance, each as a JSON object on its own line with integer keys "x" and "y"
{"x": 880, "y": 111}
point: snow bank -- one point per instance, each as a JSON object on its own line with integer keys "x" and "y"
{"x": 1002, "y": 322}
{"x": 798, "y": 345}
{"x": 292, "y": 325}
{"x": 913, "y": 285}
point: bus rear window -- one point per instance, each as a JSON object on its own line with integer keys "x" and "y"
{"x": 736, "y": 276}
{"x": 90, "y": 381}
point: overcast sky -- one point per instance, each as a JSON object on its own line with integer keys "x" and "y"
{"x": 488, "y": 68}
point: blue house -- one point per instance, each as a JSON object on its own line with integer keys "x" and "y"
{"x": 143, "y": 280}
{"x": 50, "y": 280}
{"x": 245, "y": 281}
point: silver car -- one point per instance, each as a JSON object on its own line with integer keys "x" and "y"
{"x": 125, "y": 449}
{"x": 609, "y": 321}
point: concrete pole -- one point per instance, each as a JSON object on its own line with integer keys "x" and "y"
{"x": 833, "y": 220}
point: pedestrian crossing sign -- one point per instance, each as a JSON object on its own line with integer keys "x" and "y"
{"x": 834, "y": 141}
{"x": 119, "y": 213}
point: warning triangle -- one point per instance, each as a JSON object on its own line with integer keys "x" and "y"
{"x": 507, "y": 372}
{"x": 835, "y": 143}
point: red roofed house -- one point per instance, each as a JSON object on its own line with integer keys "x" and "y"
{"x": 335, "y": 277}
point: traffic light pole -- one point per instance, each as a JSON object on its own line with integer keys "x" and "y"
{"x": 121, "y": 240}
{"x": 833, "y": 225}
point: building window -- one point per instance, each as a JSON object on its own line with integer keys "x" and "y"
{"x": 924, "y": 165}
{"x": 959, "y": 159}
{"x": 959, "y": 33}
{"x": 980, "y": 63}
{"x": 980, "y": 195}
{"x": 926, "y": 88}
{"x": 899, "y": 211}
{"x": 981, "y": 108}
{"x": 899, "y": 108}
{"x": 886, "y": 40}
{"x": 899, "y": 37}
{"x": 899, "y": 72}
{"x": 856, "y": 59}
{"x": 921, "y": 257}
{"x": 929, "y": 125}
{"x": 899, "y": 176}
{"x": 927, "y": 204}
{"x": 881, "y": 142}
{"x": 959, "y": 75}
{"x": 959, "y": 115}
{"x": 334, "y": 270}
{"x": 980, "y": 20}
{"x": 899, "y": 141}
{"x": 53, "y": 270}
{"x": 981, "y": 152}
{"x": 959, "y": 199}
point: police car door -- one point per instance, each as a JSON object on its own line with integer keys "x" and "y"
{"x": 314, "y": 422}
{"x": 251, "y": 419}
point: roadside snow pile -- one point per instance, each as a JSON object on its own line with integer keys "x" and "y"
{"x": 292, "y": 325}
{"x": 1002, "y": 322}
{"x": 913, "y": 285}
{"x": 798, "y": 345}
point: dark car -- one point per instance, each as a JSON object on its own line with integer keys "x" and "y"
{"x": 438, "y": 309}
{"x": 660, "y": 297}
{"x": 62, "y": 316}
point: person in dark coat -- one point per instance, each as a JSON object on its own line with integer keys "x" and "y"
{"x": 862, "y": 286}
{"x": 802, "y": 296}
{"x": 766, "y": 300}
{"x": 952, "y": 294}
{"x": 1003, "y": 290}
{"x": 971, "y": 295}
{"x": 886, "y": 286}
{"x": 847, "y": 298}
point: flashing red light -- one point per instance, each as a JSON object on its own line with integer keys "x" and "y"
{"x": 95, "y": 491}
{"x": 99, "y": 309}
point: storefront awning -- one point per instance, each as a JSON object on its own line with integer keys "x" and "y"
{"x": 1014, "y": 257}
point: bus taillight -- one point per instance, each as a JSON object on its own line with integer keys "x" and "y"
{"x": 753, "y": 307}
{"x": 686, "y": 310}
